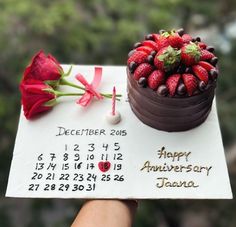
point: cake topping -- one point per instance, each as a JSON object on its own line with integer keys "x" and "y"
{"x": 162, "y": 31}
{"x": 142, "y": 82}
{"x": 198, "y": 39}
{"x": 167, "y": 58}
{"x": 137, "y": 57}
{"x": 180, "y": 31}
{"x": 173, "y": 63}
{"x": 143, "y": 70}
{"x": 181, "y": 90}
{"x": 214, "y": 61}
{"x": 155, "y": 79}
{"x": 145, "y": 49}
{"x": 149, "y": 37}
{"x": 206, "y": 65}
{"x": 156, "y": 37}
{"x": 172, "y": 83}
{"x": 162, "y": 90}
{"x": 131, "y": 52}
{"x": 162, "y": 41}
{"x": 190, "y": 54}
{"x": 202, "y": 85}
{"x": 150, "y": 59}
{"x": 210, "y": 48}
{"x": 187, "y": 38}
{"x": 190, "y": 82}
{"x": 188, "y": 70}
{"x": 202, "y": 45}
{"x": 138, "y": 44}
{"x": 132, "y": 66}
{"x": 206, "y": 55}
{"x": 201, "y": 73}
{"x": 213, "y": 74}
{"x": 153, "y": 53}
{"x": 151, "y": 44}
{"x": 174, "y": 39}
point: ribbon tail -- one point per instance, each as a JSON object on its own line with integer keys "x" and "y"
{"x": 82, "y": 80}
{"x": 97, "y": 77}
{"x": 96, "y": 81}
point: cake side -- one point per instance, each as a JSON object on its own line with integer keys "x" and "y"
{"x": 169, "y": 114}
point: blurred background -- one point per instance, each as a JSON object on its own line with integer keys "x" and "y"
{"x": 102, "y": 32}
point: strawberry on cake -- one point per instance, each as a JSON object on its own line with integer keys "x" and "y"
{"x": 171, "y": 80}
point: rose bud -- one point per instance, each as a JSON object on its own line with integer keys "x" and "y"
{"x": 37, "y": 97}
{"x": 44, "y": 68}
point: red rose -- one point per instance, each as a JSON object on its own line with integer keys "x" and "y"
{"x": 34, "y": 97}
{"x": 44, "y": 68}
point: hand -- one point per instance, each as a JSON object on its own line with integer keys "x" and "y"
{"x": 106, "y": 213}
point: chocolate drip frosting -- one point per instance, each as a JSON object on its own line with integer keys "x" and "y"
{"x": 169, "y": 113}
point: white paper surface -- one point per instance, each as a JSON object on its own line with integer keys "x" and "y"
{"x": 45, "y": 164}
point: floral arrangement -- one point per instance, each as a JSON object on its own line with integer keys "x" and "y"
{"x": 41, "y": 82}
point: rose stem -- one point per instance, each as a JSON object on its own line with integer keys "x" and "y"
{"x": 65, "y": 82}
{"x": 60, "y": 94}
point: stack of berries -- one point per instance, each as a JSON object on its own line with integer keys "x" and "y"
{"x": 173, "y": 64}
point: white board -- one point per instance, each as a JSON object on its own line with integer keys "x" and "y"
{"x": 58, "y": 155}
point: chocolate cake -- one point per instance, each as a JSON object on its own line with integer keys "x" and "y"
{"x": 171, "y": 80}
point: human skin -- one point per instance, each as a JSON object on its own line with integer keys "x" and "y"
{"x": 106, "y": 213}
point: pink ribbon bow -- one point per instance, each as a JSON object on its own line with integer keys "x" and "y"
{"x": 90, "y": 89}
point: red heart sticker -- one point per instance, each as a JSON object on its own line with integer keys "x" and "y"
{"x": 104, "y": 166}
